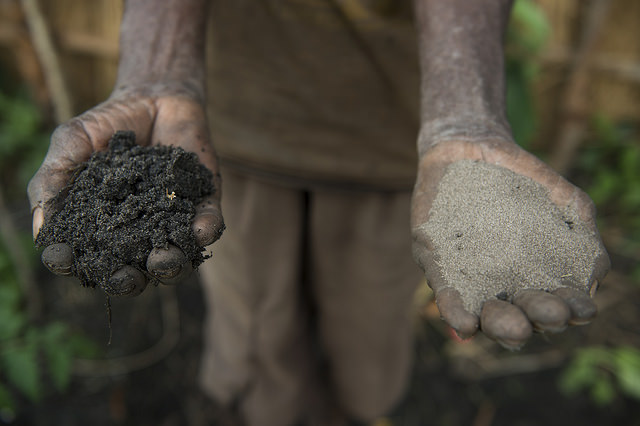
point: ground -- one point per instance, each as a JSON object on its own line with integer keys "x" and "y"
{"x": 471, "y": 383}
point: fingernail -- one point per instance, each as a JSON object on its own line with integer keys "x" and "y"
{"x": 58, "y": 258}
{"x": 184, "y": 273}
{"x": 37, "y": 221}
{"x": 594, "y": 288}
{"x": 167, "y": 273}
{"x": 207, "y": 228}
{"x": 127, "y": 281}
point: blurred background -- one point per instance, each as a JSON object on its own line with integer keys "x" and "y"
{"x": 574, "y": 100}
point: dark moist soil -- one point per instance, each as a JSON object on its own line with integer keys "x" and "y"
{"x": 124, "y": 202}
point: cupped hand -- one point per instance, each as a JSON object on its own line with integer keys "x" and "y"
{"x": 531, "y": 285}
{"x": 158, "y": 117}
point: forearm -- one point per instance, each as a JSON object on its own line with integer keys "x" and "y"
{"x": 162, "y": 43}
{"x": 462, "y": 66}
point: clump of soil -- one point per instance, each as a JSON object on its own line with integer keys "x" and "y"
{"x": 495, "y": 232}
{"x": 124, "y": 202}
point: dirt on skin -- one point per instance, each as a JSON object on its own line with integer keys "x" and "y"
{"x": 496, "y": 232}
{"x": 124, "y": 202}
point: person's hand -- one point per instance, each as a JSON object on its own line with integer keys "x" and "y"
{"x": 157, "y": 116}
{"x": 507, "y": 312}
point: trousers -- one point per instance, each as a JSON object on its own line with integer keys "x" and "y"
{"x": 308, "y": 294}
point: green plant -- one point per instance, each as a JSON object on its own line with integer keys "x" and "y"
{"x": 34, "y": 357}
{"x": 604, "y": 373}
{"x": 23, "y": 139}
{"x": 31, "y": 354}
{"x": 527, "y": 34}
{"x": 608, "y": 167}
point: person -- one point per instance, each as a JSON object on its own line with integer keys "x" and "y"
{"x": 314, "y": 107}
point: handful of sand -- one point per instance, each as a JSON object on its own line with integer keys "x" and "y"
{"x": 495, "y": 232}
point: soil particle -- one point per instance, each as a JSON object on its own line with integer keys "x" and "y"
{"x": 496, "y": 232}
{"x": 124, "y": 202}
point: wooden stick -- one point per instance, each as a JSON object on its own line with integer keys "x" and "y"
{"x": 602, "y": 62}
{"x": 48, "y": 57}
{"x": 89, "y": 44}
{"x": 574, "y": 109}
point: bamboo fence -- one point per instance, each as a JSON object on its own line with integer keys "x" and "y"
{"x": 591, "y": 64}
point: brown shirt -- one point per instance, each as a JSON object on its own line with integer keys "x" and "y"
{"x": 316, "y": 91}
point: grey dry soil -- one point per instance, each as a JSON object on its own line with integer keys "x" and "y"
{"x": 495, "y": 232}
{"x": 122, "y": 203}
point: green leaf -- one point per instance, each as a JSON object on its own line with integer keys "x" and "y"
{"x": 574, "y": 379}
{"x": 54, "y": 332}
{"x": 530, "y": 13}
{"x": 60, "y": 360}
{"x": 628, "y": 371}
{"x": 59, "y": 354}
{"x": 21, "y": 368}
{"x": 83, "y": 347}
{"x": 7, "y": 405}
{"x": 12, "y": 323}
{"x": 635, "y": 275}
{"x": 631, "y": 198}
{"x": 583, "y": 372}
{"x": 20, "y": 122}
{"x": 605, "y": 130}
{"x": 629, "y": 163}
{"x": 529, "y": 28}
{"x": 606, "y": 186}
{"x": 603, "y": 392}
{"x": 5, "y": 262}
{"x": 9, "y": 293}
{"x": 520, "y": 110}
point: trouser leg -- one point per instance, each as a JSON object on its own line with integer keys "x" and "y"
{"x": 256, "y": 347}
{"x": 364, "y": 279}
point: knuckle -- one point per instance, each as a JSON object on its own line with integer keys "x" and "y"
{"x": 127, "y": 282}
{"x": 58, "y": 258}
{"x": 76, "y": 132}
{"x": 65, "y": 131}
{"x": 34, "y": 190}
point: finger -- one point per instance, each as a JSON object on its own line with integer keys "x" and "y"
{"x": 582, "y": 308}
{"x": 126, "y": 282}
{"x": 169, "y": 266}
{"x": 453, "y": 312}
{"x": 547, "y": 312}
{"x": 208, "y": 223}
{"x": 505, "y": 323}
{"x": 601, "y": 267}
{"x": 185, "y": 125}
{"x": 595, "y": 285}
{"x": 58, "y": 258}
{"x": 68, "y": 149}
{"x": 73, "y": 142}
{"x": 185, "y": 272}
{"x": 70, "y": 146}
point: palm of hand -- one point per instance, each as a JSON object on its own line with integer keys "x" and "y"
{"x": 505, "y": 242}
{"x": 171, "y": 120}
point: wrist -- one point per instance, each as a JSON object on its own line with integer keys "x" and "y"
{"x": 462, "y": 68}
{"x": 463, "y": 129}
{"x": 162, "y": 47}
{"x": 186, "y": 88}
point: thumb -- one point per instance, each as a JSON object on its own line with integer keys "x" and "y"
{"x": 448, "y": 299}
{"x": 68, "y": 149}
